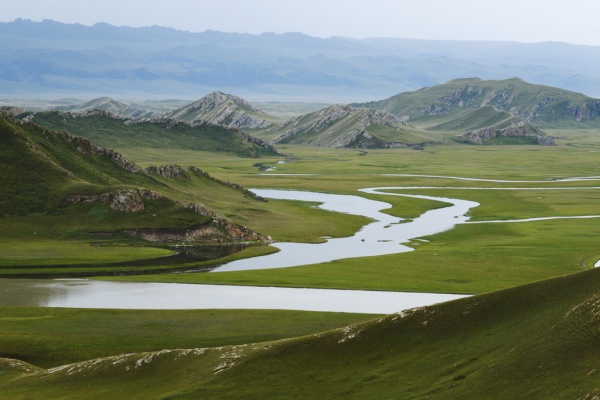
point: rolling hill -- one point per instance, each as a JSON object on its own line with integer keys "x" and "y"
{"x": 63, "y": 186}
{"x": 452, "y": 104}
{"x": 533, "y": 341}
{"x": 340, "y": 126}
{"x": 109, "y": 130}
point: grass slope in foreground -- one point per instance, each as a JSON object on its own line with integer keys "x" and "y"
{"x": 535, "y": 341}
{"x": 50, "y": 337}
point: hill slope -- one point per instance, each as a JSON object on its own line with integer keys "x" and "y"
{"x": 224, "y": 109}
{"x": 111, "y": 131}
{"x": 543, "y": 106}
{"x": 67, "y": 187}
{"x": 534, "y": 341}
{"x": 345, "y": 126}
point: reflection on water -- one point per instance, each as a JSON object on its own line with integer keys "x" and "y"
{"x": 81, "y": 293}
{"x": 184, "y": 255}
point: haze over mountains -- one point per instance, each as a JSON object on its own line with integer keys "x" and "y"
{"x": 50, "y": 58}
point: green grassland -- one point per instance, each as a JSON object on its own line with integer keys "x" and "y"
{"x": 534, "y": 341}
{"x": 50, "y": 337}
{"x": 472, "y": 258}
{"x": 514, "y": 339}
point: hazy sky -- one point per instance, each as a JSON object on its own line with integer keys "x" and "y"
{"x": 573, "y": 21}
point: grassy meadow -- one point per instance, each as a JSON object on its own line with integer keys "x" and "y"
{"x": 534, "y": 341}
{"x": 471, "y": 258}
{"x": 534, "y": 317}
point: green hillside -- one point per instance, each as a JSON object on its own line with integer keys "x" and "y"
{"x": 535, "y": 341}
{"x": 64, "y": 193}
{"x": 348, "y": 127}
{"x": 106, "y": 130}
{"x": 486, "y": 116}
{"x": 543, "y": 106}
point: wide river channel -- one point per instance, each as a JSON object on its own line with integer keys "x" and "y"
{"x": 385, "y": 235}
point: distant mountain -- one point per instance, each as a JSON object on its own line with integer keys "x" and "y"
{"x": 118, "y": 132}
{"x": 50, "y": 59}
{"x": 341, "y": 126}
{"x": 111, "y": 106}
{"x": 461, "y": 103}
{"x": 226, "y": 110}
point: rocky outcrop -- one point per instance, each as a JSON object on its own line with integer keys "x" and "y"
{"x": 217, "y": 230}
{"x": 520, "y": 130}
{"x": 87, "y": 148}
{"x": 168, "y": 171}
{"x": 225, "y": 110}
{"x": 213, "y": 232}
{"x": 125, "y": 200}
{"x": 338, "y": 126}
{"x": 586, "y": 111}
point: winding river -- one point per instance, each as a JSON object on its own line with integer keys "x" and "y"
{"x": 385, "y": 235}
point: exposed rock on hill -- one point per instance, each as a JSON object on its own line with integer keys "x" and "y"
{"x": 86, "y": 147}
{"x": 541, "y": 105}
{"x": 223, "y": 109}
{"x": 341, "y": 126}
{"x": 126, "y": 200}
{"x": 168, "y": 171}
{"x": 483, "y": 136}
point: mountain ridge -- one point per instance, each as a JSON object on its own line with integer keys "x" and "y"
{"x": 42, "y": 58}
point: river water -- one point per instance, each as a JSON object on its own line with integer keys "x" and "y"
{"x": 82, "y": 293}
{"x": 385, "y": 235}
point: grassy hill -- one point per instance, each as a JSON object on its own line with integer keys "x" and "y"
{"x": 544, "y": 106}
{"x": 534, "y": 341}
{"x": 486, "y": 116}
{"x": 64, "y": 189}
{"x": 344, "y": 126}
{"x": 110, "y": 131}
{"x": 226, "y": 110}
